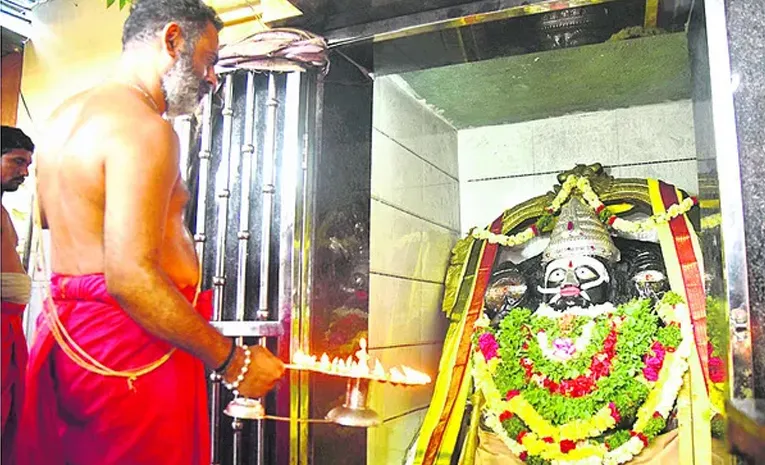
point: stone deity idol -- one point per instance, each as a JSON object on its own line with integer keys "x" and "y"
{"x": 577, "y": 329}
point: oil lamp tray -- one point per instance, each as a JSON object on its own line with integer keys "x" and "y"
{"x": 359, "y": 368}
{"x": 414, "y": 377}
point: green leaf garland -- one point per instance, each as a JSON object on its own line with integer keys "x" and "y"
{"x": 639, "y": 329}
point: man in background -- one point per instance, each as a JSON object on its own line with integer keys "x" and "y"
{"x": 16, "y": 286}
{"x": 116, "y": 371}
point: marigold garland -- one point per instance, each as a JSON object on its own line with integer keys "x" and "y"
{"x": 582, "y": 184}
{"x": 582, "y": 441}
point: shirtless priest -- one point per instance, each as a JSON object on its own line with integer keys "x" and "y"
{"x": 17, "y": 150}
{"x": 116, "y": 370}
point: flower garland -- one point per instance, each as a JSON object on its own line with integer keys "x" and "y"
{"x": 528, "y": 431}
{"x": 591, "y": 311}
{"x": 718, "y": 340}
{"x": 582, "y": 184}
{"x": 711, "y": 221}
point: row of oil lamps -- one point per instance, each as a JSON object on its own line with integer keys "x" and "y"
{"x": 355, "y": 410}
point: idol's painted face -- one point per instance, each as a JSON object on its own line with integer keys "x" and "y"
{"x": 575, "y": 282}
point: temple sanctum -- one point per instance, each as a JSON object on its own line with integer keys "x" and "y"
{"x": 462, "y": 232}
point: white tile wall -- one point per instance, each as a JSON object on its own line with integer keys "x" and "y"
{"x": 440, "y": 198}
{"x": 433, "y": 323}
{"x": 415, "y": 221}
{"x": 656, "y": 132}
{"x": 560, "y": 143}
{"x": 404, "y": 245}
{"x": 402, "y": 311}
{"x": 415, "y": 126}
{"x": 389, "y": 400}
{"x": 492, "y": 151}
{"x": 483, "y": 201}
{"x": 502, "y": 166}
{"x": 387, "y": 443}
{"x": 683, "y": 174}
{"x": 396, "y": 173}
{"x": 404, "y": 180}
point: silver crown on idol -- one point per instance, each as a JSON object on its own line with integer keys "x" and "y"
{"x": 579, "y": 232}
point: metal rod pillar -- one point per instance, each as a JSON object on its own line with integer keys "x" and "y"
{"x": 247, "y": 152}
{"x": 269, "y": 190}
{"x": 200, "y": 237}
{"x": 219, "y": 277}
{"x": 205, "y": 153}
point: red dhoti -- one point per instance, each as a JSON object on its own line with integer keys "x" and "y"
{"x": 14, "y": 362}
{"x": 75, "y": 417}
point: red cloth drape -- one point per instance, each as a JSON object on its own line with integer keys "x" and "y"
{"x": 14, "y": 363}
{"x": 75, "y": 417}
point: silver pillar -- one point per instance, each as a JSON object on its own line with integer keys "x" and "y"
{"x": 205, "y": 153}
{"x": 219, "y": 279}
{"x": 269, "y": 189}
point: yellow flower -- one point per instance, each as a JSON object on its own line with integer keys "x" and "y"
{"x": 493, "y": 364}
{"x": 717, "y": 397}
{"x": 533, "y": 444}
{"x": 583, "y": 451}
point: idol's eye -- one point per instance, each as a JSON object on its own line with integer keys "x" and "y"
{"x": 585, "y": 273}
{"x": 557, "y": 276}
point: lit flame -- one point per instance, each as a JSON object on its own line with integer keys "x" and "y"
{"x": 359, "y": 368}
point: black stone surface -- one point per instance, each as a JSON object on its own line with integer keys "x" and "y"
{"x": 746, "y": 31}
{"x": 340, "y": 248}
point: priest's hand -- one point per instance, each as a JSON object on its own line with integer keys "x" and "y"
{"x": 262, "y": 373}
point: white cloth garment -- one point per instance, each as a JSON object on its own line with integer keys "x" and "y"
{"x": 15, "y": 287}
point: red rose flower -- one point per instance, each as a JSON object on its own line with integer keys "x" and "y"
{"x": 615, "y": 412}
{"x": 651, "y": 374}
{"x": 600, "y": 368}
{"x": 511, "y": 394}
{"x": 658, "y": 349}
{"x": 548, "y": 440}
{"x": 551, "y": 386}
{"x": 520, "y": 437}
{"x": 657, "y": 415}
{"x": 506, "y": 415}
{"x": 488, "y": 345}
{"x": 716, "y": 370}
{"x": 653, "y": 363}
{"x": 609, "y": 344}
{"x": 567, "y": 445}
{"x": 524, "y": 455}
